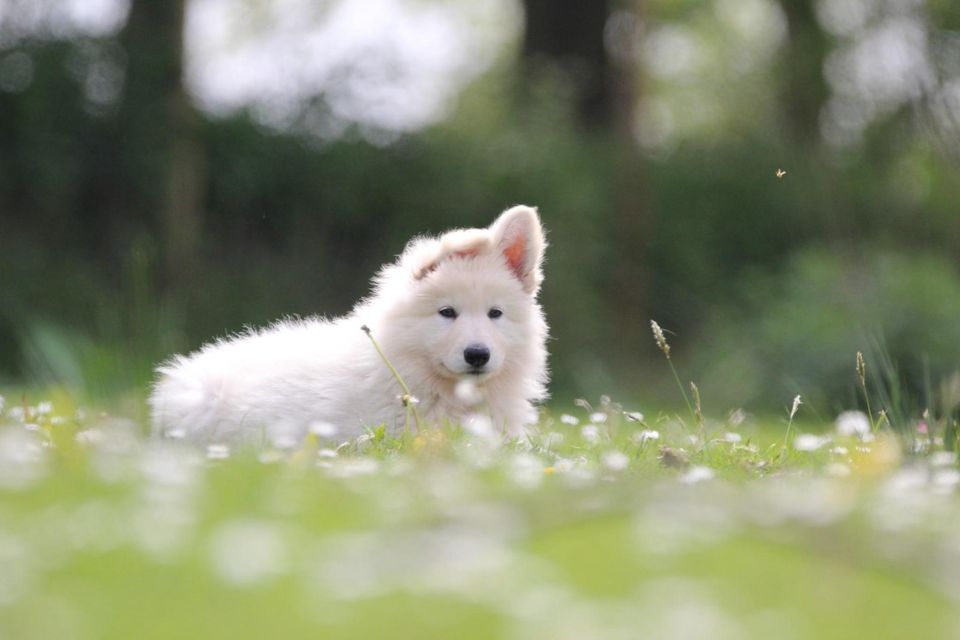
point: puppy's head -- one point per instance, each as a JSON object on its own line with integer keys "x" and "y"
{"x": 473, "y": 305}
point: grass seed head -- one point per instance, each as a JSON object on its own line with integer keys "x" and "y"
{"x": 697, "y": 406}
{"x": 659, "y": 337}
{"x": 796, "y": 405}
{"x": 861, "y": 369}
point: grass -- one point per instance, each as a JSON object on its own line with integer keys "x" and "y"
{"x": 603, "y": 524}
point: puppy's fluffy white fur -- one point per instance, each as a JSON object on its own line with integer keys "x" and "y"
{"x": 299, "y": 373}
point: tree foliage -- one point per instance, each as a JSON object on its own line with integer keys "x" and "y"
{"x": 134, "y": 223}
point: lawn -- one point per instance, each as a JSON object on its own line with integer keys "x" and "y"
{"x": 602, "y": 524}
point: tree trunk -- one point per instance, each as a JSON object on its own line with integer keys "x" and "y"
{"x": 596, "y": 45}
{"x": 805, "y": 89}
{"x": 160, "y": 139}
{"x": 568, "y": 34}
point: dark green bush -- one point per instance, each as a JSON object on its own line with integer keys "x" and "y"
{"x": 799, "y": 331}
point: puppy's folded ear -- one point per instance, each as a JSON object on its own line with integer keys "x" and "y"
{"x": 518, "y": 236}
{"x": 461, "y": 243}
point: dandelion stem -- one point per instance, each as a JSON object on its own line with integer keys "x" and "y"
{"x": 407, "y": 399}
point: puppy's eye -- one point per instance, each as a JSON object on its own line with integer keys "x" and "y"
{"x": 448, "y": 312}
{"x": 495, "y": 313}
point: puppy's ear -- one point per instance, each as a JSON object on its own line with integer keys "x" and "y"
{"x": 462, "y": 243}
{"x": 518, "y": 236}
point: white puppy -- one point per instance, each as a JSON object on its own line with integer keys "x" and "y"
{"x": 456, "y": 315}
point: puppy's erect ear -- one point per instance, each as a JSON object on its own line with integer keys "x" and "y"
{"x": 518, "y": 236}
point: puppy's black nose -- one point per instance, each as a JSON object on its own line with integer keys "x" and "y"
{"x": 476, "y": 355}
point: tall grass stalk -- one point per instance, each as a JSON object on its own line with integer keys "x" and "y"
{"x": 665, "y": 348}
{"x": 889, "y": 389}
{"x": 407, "y": 399}
{"x": 797, "y": 401}
{"x": 697, "y": 409}
{"x": 862, "y": 375}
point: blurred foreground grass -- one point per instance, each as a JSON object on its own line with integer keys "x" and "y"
{"x": 604, "y": 524}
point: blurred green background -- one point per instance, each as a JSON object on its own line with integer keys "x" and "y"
{"x": 172, "y": 171}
